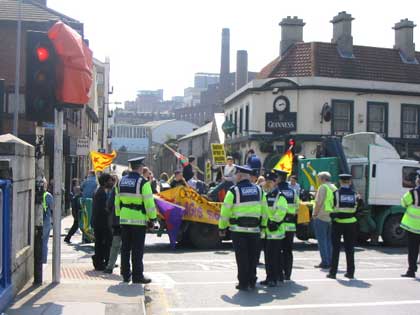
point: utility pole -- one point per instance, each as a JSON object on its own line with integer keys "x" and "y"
{"x": 58, "y": 169}
{"x": 17, "y": 74}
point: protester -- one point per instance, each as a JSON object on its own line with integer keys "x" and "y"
{"x": 294, "y": 184}
{"x": 115, "y": 225}
{"x": 89, "y": 185}
{"x": 227, "y": 180}
{"x": 178, "y": 180}
{"x": 188, "y": 170}
{"x": 147, "y": 173}
{"x": 100, "y": 223}
{"x": 75, "y": 212}
{"x": 48, "y": 206}
{"x": 324, "y": 204}
{"x": 260, "y": 181}
{"x": 163, "y": 182}
{"x": 254, "y": 162}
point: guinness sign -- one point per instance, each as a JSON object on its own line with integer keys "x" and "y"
{"x": 280, "y": 122}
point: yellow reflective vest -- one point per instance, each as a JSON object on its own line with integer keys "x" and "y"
{"x": 411, "y": 219}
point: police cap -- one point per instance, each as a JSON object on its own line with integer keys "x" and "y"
{"x": 137, "y": 161}
{"x": 244, "y": 169}
{"x": 280, "y": 173}
{"x": 270, "y": 176}
{"x": 344, "y": 176}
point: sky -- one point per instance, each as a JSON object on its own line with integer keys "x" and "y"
{"x": 155, "y": 44}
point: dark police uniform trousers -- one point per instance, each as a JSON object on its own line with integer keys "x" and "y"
{"x": 349, "y": 233}
{"x": 132, "y": 238}
{"x": 287, "y": 256}
{"x": 246, "y": 249}
{"x": 273, "y": 262}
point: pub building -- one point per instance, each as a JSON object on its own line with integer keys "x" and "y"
{"x": 314, "y": 90}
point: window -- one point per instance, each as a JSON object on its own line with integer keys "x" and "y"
{"x": 247, "y": 118}
{"x": 342, "y": 123}
{"x": 230, "y": 117}
{"x": 357, "y": 171}
{"x": 241, "y": 115}
{"x": 410, "y": 121}
{"x": 377, "y": 118}
{"x": 409, "y": 175}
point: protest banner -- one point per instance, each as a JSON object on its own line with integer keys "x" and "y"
{"x": 197, "y": 207}
{"x": 219, "y": 154}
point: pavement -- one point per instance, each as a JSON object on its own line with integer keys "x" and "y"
{"x": 82, "y": 290}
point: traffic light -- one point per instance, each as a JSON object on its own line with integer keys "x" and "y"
{"x": 40, "y": 85}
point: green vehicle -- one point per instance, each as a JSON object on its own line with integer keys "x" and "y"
{"x": 380, "y": 177}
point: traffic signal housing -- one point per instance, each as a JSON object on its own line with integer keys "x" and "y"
{"x": 40, "y": 98}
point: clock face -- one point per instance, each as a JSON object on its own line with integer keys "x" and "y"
{"x": 281, "y": 104}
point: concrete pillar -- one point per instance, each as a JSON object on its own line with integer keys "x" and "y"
{"x": 241, "y": 69}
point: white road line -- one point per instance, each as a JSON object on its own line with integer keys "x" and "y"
{"x": 231, "y": 270}
{"x": 296, "y": 280}
{"x": 358, "y": 259}
{"x": 290, "y": 306}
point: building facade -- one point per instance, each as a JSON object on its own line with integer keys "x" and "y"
{"x": 315, "y": 90}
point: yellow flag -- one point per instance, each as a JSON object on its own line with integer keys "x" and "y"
{"x": 286, "y": 162}
{"x": 101, "y": 161}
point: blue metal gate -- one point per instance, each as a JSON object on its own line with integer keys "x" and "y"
{"x": 6, "y": 292}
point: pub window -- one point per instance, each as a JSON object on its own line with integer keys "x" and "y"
{"x": 342, "y": 122}
{"x": 377, "y": 114}
{"x": 247, "y": 118}
{"x": 410, "y": 121}
{"x": 241, "y": 115}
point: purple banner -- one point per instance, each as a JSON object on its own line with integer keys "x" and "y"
{"x": 172, "y": 214}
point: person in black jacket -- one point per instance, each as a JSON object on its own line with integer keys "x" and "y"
{"x": 116, "y": 227}
{"x": 100, "y": 223}
{"x": 188, "y": 170}
{"x": 75, "y": 210}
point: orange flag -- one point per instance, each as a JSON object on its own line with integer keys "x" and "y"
{"x": 286, "y": 162}
{"x": 101, "y": 161}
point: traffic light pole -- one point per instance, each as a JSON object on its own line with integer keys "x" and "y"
{"x": 58, "y": 169}
{"x": 17, "y": 74}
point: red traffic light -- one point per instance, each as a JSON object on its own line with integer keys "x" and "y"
{"x": 42, "y": 53}
{"x": 292, "y": 142}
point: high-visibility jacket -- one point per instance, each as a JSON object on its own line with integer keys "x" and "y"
{"x": 134, "y": 202}
{"x": 275, "y": 217}
{"x": 292, "y": 206}
{"x": 330, "y": 189}
{"x": 345, "y": 203}
{"x": 411, "y": 219}
{"x": 244, "y": 208}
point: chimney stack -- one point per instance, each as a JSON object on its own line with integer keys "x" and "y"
{"x": 404, "y": 41}
{"x": 225, "y": 64}
{"x": 241, "y": 69}
{"x": 342, "y": 34}
{"x": 291, "y": 33}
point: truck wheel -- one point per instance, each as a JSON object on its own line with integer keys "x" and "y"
{"x": 393, "y": 234}
{"x": 204, "y": 236}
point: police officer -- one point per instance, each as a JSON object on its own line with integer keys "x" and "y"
{"x": 135, "y": 206}
{"x": 411, "y": 223}
{"x": 243, "y": 210}
{"x": 275, "y": 233}
{"x": 289, "y": 223}
{"x": 344, "y": 223}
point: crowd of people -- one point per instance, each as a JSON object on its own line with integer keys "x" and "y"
{"x": 259, "y": 212}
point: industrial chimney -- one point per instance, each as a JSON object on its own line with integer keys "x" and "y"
{"x": 225, "y": 64}
{"x": 291, "y": 33}
{"x": 404, "y": 40}
{"x": 241, "y": 69}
